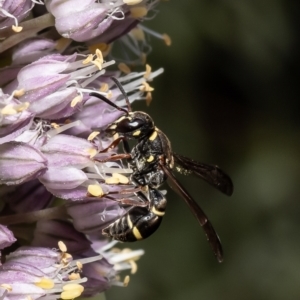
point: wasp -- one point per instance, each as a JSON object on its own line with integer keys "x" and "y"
{"x": 141, "y": 220}
{"x": 153, "y": 162}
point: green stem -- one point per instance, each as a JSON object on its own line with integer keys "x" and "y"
{"x": 57, "y": 212}
{"x": 30, "y": 28}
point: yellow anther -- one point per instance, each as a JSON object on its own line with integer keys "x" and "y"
{"x": 79, "y": 265}
{"x": 134, "y": 266}
{"x": 93, "y": 135}
{"x": 124, "y": 68}
{"x": 105, "y": 48}
{"x": 104, "y": 87}
{"x": 95, "y": 190}
{"x": 167, "y": 39}
{"x": 126, "y": 281}
{"x": 74, "y": 276}
{"x": 99, "y": 55}
{"x": 55, "y": 125}
{"x": 143, "y": 58}
{"x": 132, "y": 2}
{"x": 112, "y": 180}
{"x": 146, "y": 87}
{"x": 22, "y": 106}
{"x": 62, "y": 246}
{"x": 88, "y": 59}
{"x": 76, "y": 100}
{"x": 148, "y": 71}
{"x": 92, "y": 152}
{"x": 148, "y": 98}
{"x": 8, "y": 110}
{"x": 109, "y": 94}
{"x": 97, "y": 64}
{"x": 45, "y": 283}
{"x": 19, "y": 93}
{"x": 138, "y": 34}
{"x": 71, "y": 291}
{"x": 6, "y": 286}
{"x": 67, "y": 257}
{"x": 122, "y": 179}
{"x": 62, "y": 44}
{"x": 138, "y": 12}
{"x": 16, "y": 28}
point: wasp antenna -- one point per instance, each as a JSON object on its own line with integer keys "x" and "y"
{"x": 108, "y": 102}
{"x": 118, "y": 84}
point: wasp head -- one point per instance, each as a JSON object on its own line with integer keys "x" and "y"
{"x": 134, "y": 125}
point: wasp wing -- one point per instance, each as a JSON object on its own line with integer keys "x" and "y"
{"x": 210, "y": 173}
{"x": 210, "y": 233}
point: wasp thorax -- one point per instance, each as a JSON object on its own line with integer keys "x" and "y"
{"x": 135, "y": 125}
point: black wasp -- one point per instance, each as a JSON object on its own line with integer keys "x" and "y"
{"x": 153, "y": 162}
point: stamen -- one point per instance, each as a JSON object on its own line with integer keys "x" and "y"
{"x": 148, "y": 98}
{"x": 74, "y": 276}
{"x": 124, "y": 68}
{"x": 126, "y": 281}
{"x": 62, "y": 44}
{"x": 138, "y": 12}
{"x": 16, "y": 28}
{"x": 79, "y": 265}
{"x": 71, "y": 291}
{"x": 138, "y": 34}
{"x": 122, "y": 179}
{"x": 99, "y": 56}
{"x": 88, "y": 59}
{"x": 104, "y": 87}
{"x": 76, "y": 100}
{"x": 8, "y": 110}
{"x": 45, "y": 283}
{"x": 166, "y": 38}
{"x": 51, "y": 133}
{"x": 148, "y": 71}
{"x": 134, "y": 266}
{"x": 6, "y": 286}
{"x": 105, "y": 48}
{"x": 55, "y": 125}
{"x": 18, "y": 93}
{"x": 62, "y": 246}
{"x": 95, "y": 190}
{"x": 132, "y": 2}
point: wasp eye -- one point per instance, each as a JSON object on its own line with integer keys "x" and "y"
{"x": 127, "y": 125}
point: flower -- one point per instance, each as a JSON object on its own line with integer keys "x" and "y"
{"x": 59, "y": 182}
{"x": 86, "y": 20}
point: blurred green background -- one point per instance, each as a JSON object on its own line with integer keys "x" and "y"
{"x": 229, "y": 96}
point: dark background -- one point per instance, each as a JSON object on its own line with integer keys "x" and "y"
{"x": 229, "y": 96}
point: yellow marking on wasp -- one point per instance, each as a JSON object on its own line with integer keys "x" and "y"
{"x": 137, "y": 233}
{"x": 113, "y": 126}
{"x": 157, "y": 212}
{"x": 121, "y": 118}
{"x": 153, "y": 136}
{"x": 130, "y": 225}
{"x": 136, "y": 133}
{"x": 93, "y": 135}
{"x": 150, "y": 159}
